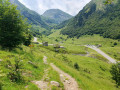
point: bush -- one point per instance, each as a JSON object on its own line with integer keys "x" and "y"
{"x": 115, "y": 43}
{"x": 15, "y": 71}
{"x": 76, "y": 66}
{"x": 115, "y": 71}
{"x": 0, "y": 85}
{"x": 27, "y": 42}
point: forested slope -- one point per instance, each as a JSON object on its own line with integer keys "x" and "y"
{"x": 32, "y": 16}
{"x": 96, "y": 18}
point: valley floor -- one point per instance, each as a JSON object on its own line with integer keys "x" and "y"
{"x": 88, "y": 68}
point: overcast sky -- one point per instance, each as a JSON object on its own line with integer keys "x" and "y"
{"x": 70, "y": 6}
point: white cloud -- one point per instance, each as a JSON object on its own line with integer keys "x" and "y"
{"x": 70, "y": 6}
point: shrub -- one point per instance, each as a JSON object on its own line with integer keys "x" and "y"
{"x": 115, "y": 71}
{"x": 15, "y": 71}
{"x": 0, "y": 85}
{"x": 76, "y": 66}
{"x": 115, "y": 43}
{"x": 27, "y": 42}
{"x": 33, "y": 64}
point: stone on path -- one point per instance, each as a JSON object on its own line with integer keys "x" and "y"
{"x": 0, "y": 60}
{"x": 42, "y": 85}
{"x": 55, "y": 83}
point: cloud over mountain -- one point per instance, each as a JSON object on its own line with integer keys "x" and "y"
{"x": 70, "y": 6}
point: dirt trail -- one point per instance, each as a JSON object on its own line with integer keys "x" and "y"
{"x": 69, "y": 82}
{"x": 43, "y": 85}
{"x": 102, "y": 53}
{"x": 45, "y": 60}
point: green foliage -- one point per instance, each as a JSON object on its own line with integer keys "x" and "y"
{"x": 76, "y": 66}
{"x": 49, "y": 21}
{"x": 108, "y": 1}
{"x": 38, "y": 31}
{"x": 115, "y": 71}
{"x": 61, "y": 25}
{"x": 115, "y": 43}
{"x": 15, "y": 71}
{"x": 0, "y": 85}
{"x": 27, "y": 42}
{"x": 13, "y": 29}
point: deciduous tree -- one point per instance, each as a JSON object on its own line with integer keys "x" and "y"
{"x": 13, "y": 28}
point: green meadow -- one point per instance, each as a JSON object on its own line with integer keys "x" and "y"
{"x": 93, "y": 72}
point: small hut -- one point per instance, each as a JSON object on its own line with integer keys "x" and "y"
{"x": 62, "y": 47}
{"x": 45, "y": 43}
{"x": 56, "y": 46}
{"x": 99, "y": 45}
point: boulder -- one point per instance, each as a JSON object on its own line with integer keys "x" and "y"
{"x": 54, "y": 83}
{"x": 62, "y": 47}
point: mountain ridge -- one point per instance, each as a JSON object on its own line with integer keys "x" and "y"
{"x": 32, "y": 16}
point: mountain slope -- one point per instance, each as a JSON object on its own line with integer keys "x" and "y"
{"x": 56, "y": 15}
{"x": 32, "y": 16}
{"x": 63, "y": 24}
{"x": 96, "y": 18}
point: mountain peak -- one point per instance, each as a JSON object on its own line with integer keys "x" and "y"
{"x": 57, "y": 15}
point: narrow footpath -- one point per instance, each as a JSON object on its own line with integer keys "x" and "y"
{"x": 69, "y": 82}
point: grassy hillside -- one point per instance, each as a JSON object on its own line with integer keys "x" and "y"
{"x": 109, "y": 46}
{"x": 62, "y": 25}
{"x": 29, "y": 71}
{"x": 93, "y": 73}
{"x": 96, "y": 18}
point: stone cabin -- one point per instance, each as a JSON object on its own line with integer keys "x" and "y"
{"x": 45, "y": 43}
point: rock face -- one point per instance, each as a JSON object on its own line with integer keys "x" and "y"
{"x": 54, "y": 83}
